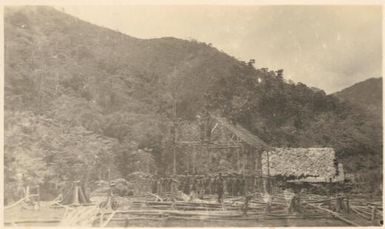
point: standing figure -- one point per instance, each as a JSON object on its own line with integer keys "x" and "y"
{"x": 243, "y": 186}
{"x": 153, "y": 186}
{"x": 267, "y": 198}
{"x": 207, "y": 184}
{"x": 229, "y": 185}
{"x": 289, "y": 197}
{"x": 158, "y": 186}
{"x": 220, "y": 188}
{"x": 173, "y": 186}
{"x": 193, "y": 187}
{"x": 237, "y": 186}
{"x": 212, "y": 185}
{"x": 234, "y": 186}
{"x": 186, "y": 188}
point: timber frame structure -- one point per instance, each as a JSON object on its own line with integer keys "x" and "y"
{"x": 212, "y": 133}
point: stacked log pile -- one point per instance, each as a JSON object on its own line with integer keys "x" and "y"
{"x": 150, "y": 208}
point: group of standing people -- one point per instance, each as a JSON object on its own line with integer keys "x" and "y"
{"x": 163, "y": 185}
{"x": 200, "y": 185}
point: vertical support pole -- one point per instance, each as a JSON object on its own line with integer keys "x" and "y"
{"x": 238, "y": 159}
{"x": 174, "y": 126}
{"x": 268, "y": 186}
{"x": 173, "y": 133}
{"x": 330, "y": 194}
{"x": 242, "y": 161}
{"x": 207, "y": 130}
{"x": 259, "y": 172}
{"x": 174, "y": 160}
{"x": 252, "y": 169}
{"x": 193, "y": 159}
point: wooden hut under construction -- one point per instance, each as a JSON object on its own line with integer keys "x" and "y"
{"x": 213, "y": 144}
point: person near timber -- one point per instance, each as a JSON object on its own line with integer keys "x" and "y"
{"x": 164, "y": 185}
{"x": 268, "y": 199}
{"x": 289, "y": 197}
{"x": 237, "y": 186}
{"x": 340, "y": 202}
{"x": 212, "y": 185}
{"x": 233, "y": 185}
{"x": 181, "y": 182}
{"x": 158, "y": 186}
{"x": 229, "y": 185}
{"x": 206, "y": 180}
{"x": 173, "y": 186}
{"x": 298, "y": 195}
{"x": 202, "y": 187}
{"x": 186, "y": 188}
{"x": 193, "y": 187}
{"x": 253, "y": 183}
{"x": 243, "y": 186}
{"x": 198, "y": 187}
{"x": 154, "y": 186}
{"x": 168, "y": 185}
{"x": 220, "y": 187}
{"x": 245, "y": 206}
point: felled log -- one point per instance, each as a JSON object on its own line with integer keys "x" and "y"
{"x": 108, "y": 220}
{"x": 16, "y": 203}
{"x": 338, "y": 216}
{"x": 32, "y": 221}
{"x": 360, "y": 213}
{"x": 156, "y": 196}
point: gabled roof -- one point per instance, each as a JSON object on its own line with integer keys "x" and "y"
{"x": 240, "y": 132}
{"x": 301, "y": 163}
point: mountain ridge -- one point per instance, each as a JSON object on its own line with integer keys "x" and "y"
{"x": 366, "y": 94}
{"x": 125, "y": 89}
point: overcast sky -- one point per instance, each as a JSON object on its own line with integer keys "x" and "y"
{"x": 329, "y": 47}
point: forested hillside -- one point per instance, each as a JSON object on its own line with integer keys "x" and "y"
{"x": 366, "y": 95}
{"x": 81, "y": 99}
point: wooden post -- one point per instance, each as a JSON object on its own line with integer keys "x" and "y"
{"x": 268, "y": 186}
{"x": 259, "y": 172}
{"x": 253, "y": 167}
{"x": 173, "y": 144}
{"x": 238, "y": 159}
{"x": 330, "y": 194}
{"x": 193, "y": 159}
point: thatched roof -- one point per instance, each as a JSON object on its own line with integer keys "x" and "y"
{"x": 301, "y": 163}
{"x": 241, "y": 132}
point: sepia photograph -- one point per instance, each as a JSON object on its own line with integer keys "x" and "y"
{"x": 193, "y": 115}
